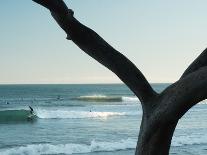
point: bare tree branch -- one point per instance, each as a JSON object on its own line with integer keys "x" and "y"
{"x": 92, "y": 44}
{"x": 57, "y": 6}
{"x": 185, "y": 93}
{"x": 199, "y": 62}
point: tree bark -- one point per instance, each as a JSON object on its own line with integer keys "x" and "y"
{"x": 155, "y": 140}
{"x": 161, "y": 112}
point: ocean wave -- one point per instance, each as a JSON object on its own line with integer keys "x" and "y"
{"x": 103, "y": 98}
{"x": 130, "y": 99}
{"x": 57, "y": 114}
{"x": 95, "y": 146}
{"x": 15, "y": 116}
{"x": 189, "y": 140}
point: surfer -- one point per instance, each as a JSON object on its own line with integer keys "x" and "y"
{"x": 31, "y": 110}
{"x": 58, "y": 97}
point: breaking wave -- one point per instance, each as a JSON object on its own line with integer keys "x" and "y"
{"x": 94, "y": 146}
{"x": 15, "y": 116}
{"x": 103, "y": 98}
{"x": 130, "y": 99}
{"x": 57, "y": 114}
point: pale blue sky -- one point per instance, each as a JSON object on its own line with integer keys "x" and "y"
{"x": 162, "y": 37}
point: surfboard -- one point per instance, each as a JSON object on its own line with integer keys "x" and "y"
{"x": 31, "y": 116}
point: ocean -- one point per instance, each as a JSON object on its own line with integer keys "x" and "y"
{"x": 96, "y": 119}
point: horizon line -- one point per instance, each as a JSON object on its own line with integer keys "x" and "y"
{"x": 76, "y": 83}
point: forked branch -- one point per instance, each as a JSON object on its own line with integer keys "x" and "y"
{"x": 185, "y": 93}
{"x": 190, "y": 89}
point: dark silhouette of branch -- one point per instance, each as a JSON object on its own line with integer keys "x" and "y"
{"x": 91, "y": 43}
{"x": 57, "y": 6}
{"x": 189, "y": 90}
{"x": 185, "y": 93}
{"x": 199, "y": 62}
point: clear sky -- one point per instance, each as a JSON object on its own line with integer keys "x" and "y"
{"x": 161, "y": 37}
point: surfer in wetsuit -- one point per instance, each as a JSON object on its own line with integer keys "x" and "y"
{"x": 31, "y": 110}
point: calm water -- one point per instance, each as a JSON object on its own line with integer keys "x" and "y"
{"x": 85, "y": 119}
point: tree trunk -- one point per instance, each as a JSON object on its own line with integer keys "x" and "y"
{"x": 155, "y": 137}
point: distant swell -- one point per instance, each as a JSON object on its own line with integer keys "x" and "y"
{"x": 102, "y": 98}
{"x": 53, "y": 114}
{"x": 71, "y": 148}
{"x": 14, "y": 116}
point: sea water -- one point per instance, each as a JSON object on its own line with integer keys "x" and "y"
{"x": 85, "y": 119}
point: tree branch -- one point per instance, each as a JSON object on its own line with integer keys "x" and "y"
{"x": 185, "y": 93}
{"x": 199, "y": 62}
{"x": 57, "y": 6}
{"x": 92, "y": 44}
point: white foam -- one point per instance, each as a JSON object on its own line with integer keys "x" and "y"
{"x": 203, "y": 102}
{"x": 93, "y": 96}
{"x": 94, "y": 146}
{"x": 130, "y": 99}
{"x": 71, "y": 148}
{"x": 52, "y": 114}
{"x": 112, "y": 146}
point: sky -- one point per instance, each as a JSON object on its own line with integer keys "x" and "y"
{"x": 160, "y": 37}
